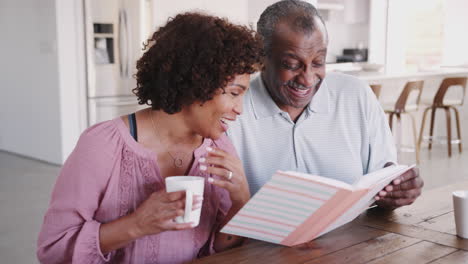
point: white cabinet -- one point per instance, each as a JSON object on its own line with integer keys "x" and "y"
{"x": 356, "y": 11}
{"x": 352, "y": 11}
{"x": 235, "y": 11}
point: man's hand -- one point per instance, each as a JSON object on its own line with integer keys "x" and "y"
{"x": 402, "y": 191}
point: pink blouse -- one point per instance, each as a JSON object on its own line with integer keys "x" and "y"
{"x": 107, "y": 176}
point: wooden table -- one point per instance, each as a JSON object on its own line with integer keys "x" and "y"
{"x": 420, "y": 233}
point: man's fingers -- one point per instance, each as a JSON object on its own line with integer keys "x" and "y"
{"x": 413, "y": 173}
{"x": 407, "y": 185}
{"x": 413, "y": 193}
{"x": 403, "y": 191}
{"x": 389, "y": 202}
{"x": 414, "y": 183}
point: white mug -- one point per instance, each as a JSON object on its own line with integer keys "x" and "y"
{"x": 192, "y": 185}
{"x": 460, "y": 207}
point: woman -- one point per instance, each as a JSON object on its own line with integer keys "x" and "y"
{"x": 109, "y": 202}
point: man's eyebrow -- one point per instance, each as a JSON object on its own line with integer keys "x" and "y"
{"x": 322, "y": 50}
{"x": 239, "y": 85}
{"x": 292, "y": 55}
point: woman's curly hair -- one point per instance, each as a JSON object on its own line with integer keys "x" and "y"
{"x": 191, "y": 57}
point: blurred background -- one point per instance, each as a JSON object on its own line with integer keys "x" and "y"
{"x": 69, "y": 64}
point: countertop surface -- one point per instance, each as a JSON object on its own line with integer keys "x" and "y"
{"x": 355, "y": 70}
{"x": 367, "y": 75}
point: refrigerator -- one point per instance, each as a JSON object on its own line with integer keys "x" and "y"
{"x": 114, "y": 34}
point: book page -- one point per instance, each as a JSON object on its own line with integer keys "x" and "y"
{"x": 280, "y": 207}
{"x": 373, "y": 178}
{"x": 320, "y": 179}
{"x": 295, "y": 206}
{"x": 375, "y": 182}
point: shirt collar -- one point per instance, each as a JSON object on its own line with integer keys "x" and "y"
{"x": 264, "y": 106}
{"x": 262, "y": 103}
{"x": 320, "y": 101}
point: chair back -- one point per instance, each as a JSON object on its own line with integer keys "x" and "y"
{"x": 376, "y": 89}
{"x": 410, "y": 97}
{"x": 453, "y": 82}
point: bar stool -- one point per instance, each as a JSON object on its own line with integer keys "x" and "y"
{"x": 407, "y": 102}
{"x": 440, "y": 102}
{"x": 376, "y": 88}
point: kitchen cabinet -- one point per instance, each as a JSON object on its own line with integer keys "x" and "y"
{"x": 352, "y": 11}
{"x": 356, "y": 11}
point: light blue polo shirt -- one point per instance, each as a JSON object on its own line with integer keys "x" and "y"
{"x": 342, "y": 134}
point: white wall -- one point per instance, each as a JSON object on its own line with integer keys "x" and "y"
{"x": 255, "y": 9}
{"x": 71, "y": 73}
{"x": 344, "y": 35}
{"x": 456, "y": 37}
{"x": 235, "y": 11}
{"x": 41, "y": 80}
{"x": 396, "y": 36}
{"x": 29, "y": 108}
{"x": 378, "y": 31}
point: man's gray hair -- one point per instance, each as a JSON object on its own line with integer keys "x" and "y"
{"x": 303, "y": 16}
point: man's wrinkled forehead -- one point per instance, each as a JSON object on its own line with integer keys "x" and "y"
{"x": 300, "y": 24}
{"x": 285, "y": 38}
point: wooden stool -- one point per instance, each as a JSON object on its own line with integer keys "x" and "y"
{"x": 376, "y": 89}
{"x": 439, "y": 102}
{"x": 404, "y": 106}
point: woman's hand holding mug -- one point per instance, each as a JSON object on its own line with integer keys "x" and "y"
{"x": 157, "y": 213}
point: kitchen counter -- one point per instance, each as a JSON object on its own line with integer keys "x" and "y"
{"x": 392, "y": 85}
{"x": 356, "y": 69}
{"x": 441, "y": 72}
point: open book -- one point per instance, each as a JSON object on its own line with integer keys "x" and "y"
{"x": 294, "y": 208}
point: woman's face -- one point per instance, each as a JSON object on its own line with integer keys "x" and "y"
{"x": 211, "y": 119}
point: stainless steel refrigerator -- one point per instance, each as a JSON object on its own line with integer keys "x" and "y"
{"x": 114, "y": 33}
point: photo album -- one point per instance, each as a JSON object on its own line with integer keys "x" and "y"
{"x": 293, "y": 208}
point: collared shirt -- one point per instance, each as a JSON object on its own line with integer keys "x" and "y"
{"x": 342, "y": 133}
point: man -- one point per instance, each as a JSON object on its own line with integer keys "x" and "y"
{"x": 296, "y": 118}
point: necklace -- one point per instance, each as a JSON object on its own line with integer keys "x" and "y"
{"x": 179, "y": 157}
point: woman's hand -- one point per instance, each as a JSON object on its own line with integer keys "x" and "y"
{"x": 231, "y": 174}
{"x": 156, "y": 214}
{"x": 153, "y": 216}
{"x": 232, "y": 178}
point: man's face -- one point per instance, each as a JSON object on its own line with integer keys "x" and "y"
{"x": 295, "y": 66}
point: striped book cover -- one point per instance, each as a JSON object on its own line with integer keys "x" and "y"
{"x": 293, "y": 208}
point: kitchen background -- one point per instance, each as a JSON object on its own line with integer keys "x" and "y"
{"x": 67, "y": 64}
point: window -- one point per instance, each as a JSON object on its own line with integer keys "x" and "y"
{"x": 425, "y": 34}
{"x": 419, "y": 34}
{"x": 415, "y": 34}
